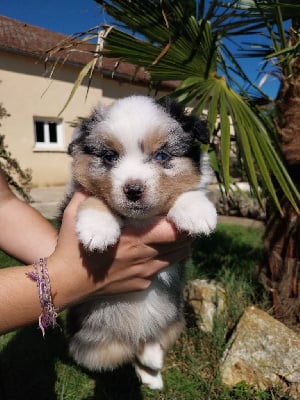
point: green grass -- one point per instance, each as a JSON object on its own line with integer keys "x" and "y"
{"x": 7, "y": 261}
{"x": 35, "y": 368}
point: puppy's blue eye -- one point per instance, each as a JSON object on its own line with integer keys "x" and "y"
{"x": 161, "y": 156}
{"x": 110, "y": 157}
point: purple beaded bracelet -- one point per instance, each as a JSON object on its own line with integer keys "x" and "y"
{"x": 41, "y": 277}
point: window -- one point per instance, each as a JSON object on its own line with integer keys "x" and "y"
{"x": 48, "y": 134}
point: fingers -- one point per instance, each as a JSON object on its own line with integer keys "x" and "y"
{"x": 152, "y": 266}
{"x": 146, "y": 273}
{"x": 161, "y": 231}
{"x": 71, "y": 210}
{"x": 76, "y": 199}
{"x": 164, "y": 261}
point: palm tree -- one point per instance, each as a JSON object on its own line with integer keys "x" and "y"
{"x": 190, "y": 42}
{"x": 283, "y": 232}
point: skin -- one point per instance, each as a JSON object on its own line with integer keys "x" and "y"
{"x": 27, "y": 234}
{"x": 74, "y": 274}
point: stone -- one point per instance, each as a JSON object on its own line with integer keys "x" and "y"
{"x": 207, "y": 300}
{"x": 262, "y": 352}
{"x": 239, "y": 201}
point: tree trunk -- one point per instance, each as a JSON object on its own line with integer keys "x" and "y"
{"x": 281, "y": 242}
{"x": 282, "y": 235}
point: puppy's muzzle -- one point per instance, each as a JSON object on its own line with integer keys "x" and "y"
{"x": 134, "y": 190}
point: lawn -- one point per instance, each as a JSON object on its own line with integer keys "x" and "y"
{"x": 35, "y": 368}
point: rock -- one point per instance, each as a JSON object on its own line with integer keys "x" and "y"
{"x": 207, "y": 300}
{"x": 238, "y": 202}
{"x": 263, "y": 352}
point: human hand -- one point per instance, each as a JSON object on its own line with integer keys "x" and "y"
{"x": 128, "y": 266}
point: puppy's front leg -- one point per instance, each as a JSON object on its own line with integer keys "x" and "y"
{"x": 194, "y": 213}
{"x": 96, "y": 226}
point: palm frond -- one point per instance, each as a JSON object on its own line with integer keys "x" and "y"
{"x": 259, "y": 156}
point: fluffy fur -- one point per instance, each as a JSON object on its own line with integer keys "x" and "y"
{"x": 139, "y": 160}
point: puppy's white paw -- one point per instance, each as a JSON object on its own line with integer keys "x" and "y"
{"x": 192, "y": 212}
{"x": 97, "y": 230}
{"x": 152, "y": 380}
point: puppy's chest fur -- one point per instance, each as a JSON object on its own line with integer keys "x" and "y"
{"x": 139, "y": 160}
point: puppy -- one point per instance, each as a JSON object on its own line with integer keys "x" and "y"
{"x": 139, "y": 160}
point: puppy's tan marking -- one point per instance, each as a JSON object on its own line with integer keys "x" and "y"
{"x": 113, "y": 143}
{"x": 98, "y": 185}
{"x": 112, "y": 353}
{"x": 154, "y": 141}
{"x": 172, "y": 187}
{"x": 92, "y": 203}
{"x": 80, "y": 168}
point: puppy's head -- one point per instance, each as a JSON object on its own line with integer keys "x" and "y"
{"x": 138, "y": 155}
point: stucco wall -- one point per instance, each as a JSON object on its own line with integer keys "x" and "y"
{"x": 25, "y": 92}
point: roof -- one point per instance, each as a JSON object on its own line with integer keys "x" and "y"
{"x": 22, "y": 38}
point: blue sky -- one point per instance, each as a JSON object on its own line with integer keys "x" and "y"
{"x": 58, "y": 15}
{"x": 79, "y": 15}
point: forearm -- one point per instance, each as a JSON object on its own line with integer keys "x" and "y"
{"x": 19, "y": 302}
{"x": 25, "y": 233}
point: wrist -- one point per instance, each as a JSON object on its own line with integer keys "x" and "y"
{"x": 69, "y": 282}
{"x": 40, "y": 276}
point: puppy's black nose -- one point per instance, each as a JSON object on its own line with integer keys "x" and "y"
{"x": 134, "y": 190}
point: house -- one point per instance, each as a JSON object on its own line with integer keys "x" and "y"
{"x": 36, "y": 133}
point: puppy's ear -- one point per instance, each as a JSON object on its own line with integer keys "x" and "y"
{"x": 79, "y": 133}
{"x": 189, "y": 123}
{"x": 198, "y": 127}
{"x": 76, "y": 136}
{"x": 84, "y": 129}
